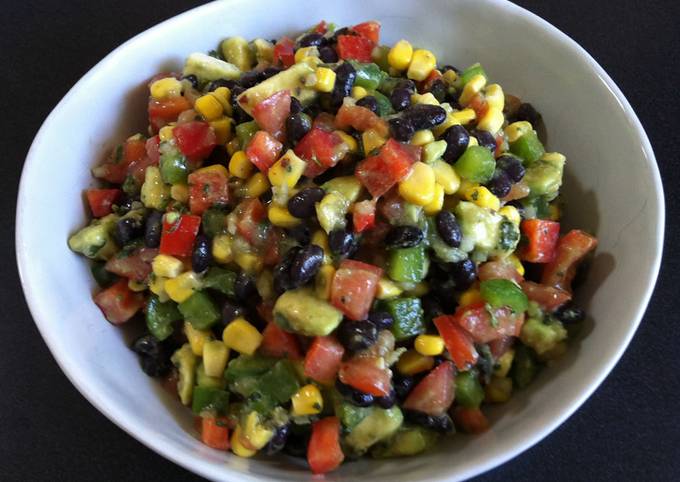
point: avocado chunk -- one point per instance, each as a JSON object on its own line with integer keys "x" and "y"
{"x": 237, "y": 52}
{"x": 348, "y": 186}
{"x": 542, "y": 335}
{"x": 544, "y": 177}
{"x": 407, "y": 441}
{"x": 207, "y": 68}
{"x": 95, "y": 240}
{"x": 301, "y": 312}
{"x": 185, "y": 361}
{"x": 379, "y": 425}
{"x": 485, "y": 232}
{"x": 350, "y": 415}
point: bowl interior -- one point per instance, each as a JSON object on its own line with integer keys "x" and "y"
{"x": 612, "y": 189}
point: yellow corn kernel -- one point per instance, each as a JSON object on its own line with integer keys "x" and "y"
{"x": 223, "y": 128}
{"x": 448, "y": 122}
{"x": 473, "y": 141}
{"x": 464, "y": 116}
{"x": 157, "y": 287}
{"x": 504, "y": 363}
{"x": 371, "y": 140}
{"x": 254, "y": 432}
{"x": 256, "y": 185}
{"x": 482, "y": 197}
{"x": 422, "y": 63}
{"x": 307, "y": 401}
{"x": 429, "y": 345}
{"x": 136, "y": 286}
{"x": 180, "y": 193}
{"x": 349, "y": 140}
{"x": 215, "y": 356}
{"x": 494, "y": 96}
{"x": 209, "y": 107}
{"x": 419, "y": 186}
{"x": 325, "y": 79}
{"x": 516, "y": 263}
{"x": 221, "y": 249}
{"x": 516, "y": 130}
{"x": 281, "y": 217}
{"x": 233, "y": 146}
{"x": 182, "y": 287}
{"x": 492, "y": 120}
{"x": 237, "y": 446}
{"x": 437, "y": 201}
{"x": 166, "y": 266}
{"x": 511, "y": 213}
{"x": 555, "y": 213}
{"x": 420, "y": 138}
{"x": 166, "y": 87}
{"x": 426, "y": 98}
{"x": 223, "y": 95}
{"x": 387, "y": 289}
{"x": 301, "y": 54}
{"x": 472, "y": 88}
{"x": 400, "y": 55}
{"x": 249, "y": 262}
{"x": 197, "y": 338}
{"x": 265, "y": 285}
{"x": 241, "y": 336}
{"x": 412, "y": 362}
{"x": 446, "y": 176}
{"x": 240, "y": 166}
{"x": 216, "y": 168}
{"x": 165, "y": 133}
{"x": 469, "y": 296}
{"x": 287, "y": 171}
{"x": 498, "y": 390}
{"x": 449, "y": 77}
{"x": 358, "y": 92}
{"x": 320, "y": 238}
{"x": 323, "y": 280}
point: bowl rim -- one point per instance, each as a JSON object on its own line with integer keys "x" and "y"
{"x": 168, "y": 449}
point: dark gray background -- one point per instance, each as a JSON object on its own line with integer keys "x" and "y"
{"x": 628, "y": 430}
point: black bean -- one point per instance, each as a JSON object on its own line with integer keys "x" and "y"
{"x": 192, "y": 79}
{"x": 342, "y": 242}
{"x": 125, "y": 205}
{"x": 281, "y": 273}
{"x": 128, "y": 229}
{"x": 512, "y": 166}
{"x": 457, "y": 139}
{"x": 245, "y": 289}
{"x": 400, "y": 99}
{"x": 231, "y": 311}
{"x": 328, "y": 55}
{"x": 369, "y": 102}
{"x": 306, "y": 264}
{"x": 570, "y": 313}
{"x": 527, "y": 112}
{"x": 354, "y": 396}
{"x": 403, "y": 384}
{"x": 388, "y": 401}
{"x": 298, "y": 439}
{"x": 327, "y": 103}
{"x": 202, "y": 254}
{"x": 295, "y": 105}
{"x": 345, "y": 75}
{"x": 438, "y": 423}
{"x": 449, "y": 229}
{"x": 278, "y": 441}
{"x": 216, "y": 84}
{"x": 425, "y": 116}
{"x": 152, "y": 355}
{"x": 407, "y": 84}
{"x": 249, "y": 79}
{"x": 357, "y": 335}
{"x": 431, "y": 307}
{"x": 381, "y": 319}
{"x": 463, "y": 273}
{"x": 339, "y": 170}
{"x": 312, "y": 40}
{"x": 452, "y": 97}
{"x": 154, "y": 367}
{"x": 401, "y": 129}
{"x": 153, "y": 228}
{"x": 404, "y": 237}
{"x": 302, "y": 204}
{"x": 238, "y": 113}
{"x": 485, "y": 139}
{"x": 297, "y": 125}
{"x": 438, "y": 90}
{"x": 500, "y": 184}
{"x": 300, "y": 233}
{"x": 270, "y": 72}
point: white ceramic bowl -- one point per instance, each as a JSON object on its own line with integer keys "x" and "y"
{"x": 612, "y": 188}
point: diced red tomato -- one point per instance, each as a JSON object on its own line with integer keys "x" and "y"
{"x": 369, "y": 30}
{"x": 135, "y": 266}
{"x": 324, "y": 121}
{"x": 435, "y": 393}
{"x": 118, "y": 302}
{"x": 379, "y": 173}
{"x": 501, "y": 345}
{"x": 571, "y": 249}
{"x": 177, "y": 239}
{"x": 271, "y": 255}
{"x": 458, "y": 342}
{"x": 263, "y": 150}
{"x": 324, "y": 453}
{"x": 353, "y": 288}
{"x": 426, "y": 85}
{"x": 207, "y": 188}
{"x": 367, "y": 374}
{"x": 134, "y": 150}
{"x": 477, "y": 321}
{"x": 363, "y": 216}
{"x": 470, "y": 420}
{"x": 250, "y": 213}
{"x": 323, "y": 359}
{"x": 321, "y": 27}
{"x": 541, "y": 236}
{"x": 479, "y": 105}
{"x": 214, "y": 432}
{"x": 355, "y": 47}
{"x": 279, "y": 344}
{"x": 129, "y": 154}
{"x": 196, "y": 139}
{"x": 138, "y": 168}
{"x": 284, "y": 52}
{"x": 101, "y": 200}
{"x": 549, "y": 297}
{"x": 361, "y": 119}
{"x": 152, "y": 148}
{"x": 272, "y": 112}
{"x": 163, "y": 111}
{"x": 321, "y": 150}
{"x": 501, "y": 269}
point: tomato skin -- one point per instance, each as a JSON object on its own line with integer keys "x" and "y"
{"x": 177, "y": 239}
{"x": 571, "y": 249}
{"x": 272, "y": 112}
{"x": 549, "y": 297}
{"x": 363, "y": 216}
{"x": 501, "y": 345}
{"x": 542, "y": 236}
{"x": 324, "y": 453}
{"x": 249, "y": 215}
{"x": 101, "y": 200}
{"x": 284, "y": 52}
{"x": 470, "y": 420}
{"x": 324, "y": 121}
{"x": 458, "y": 342}
{"x": 279, "y": 344}
{"x": 207, "y": 189}
{"x": 118, "y": 302}
{"x": 476, "y": 320}
{"x": 353, "y": 288}
{"x": 323, "y": 359}
{"x": 213, "y": 435}
{"x": 434, "y": 394}
{"x": 263, "y": 150}
{"x": 500, "y": 269}
{"x": 135, "y": 266}
{"x": 195, "y": 140}
{"x": 163, "y": 111}
{"x": 321, "y": 149}
{"x": 361, "y": 119}
{"x": 355, "y": 47}
{"x": 379, "y": 173}
{"x": 369, "y": 30}
{"x": 366, "y": 374}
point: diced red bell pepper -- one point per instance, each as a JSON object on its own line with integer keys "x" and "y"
{"x": 284, "y": 52}
{"x": 369, "y": 30}
{"x": 361, "y": 119}
{"x": 355, "y": 47}
{"x": 118, "y": 302}
{"x": 196, "y": 139}
{"x": 501, "y": 269}
{"x": 207, "y": 188}
{"x": 321, "y": 27}
{"x": 177, "y": 238}
{"x": 353, "y": 288}
{"x": 324, "y": 453}
{"x": 263, "y": 150}
{"x": 279, "y": 344}
{"x": 434, "y": 394}
{"x": 163, "y": 111}
{"x": 541, "y": 236}
{"x": 379, "y": 173}
{"x": 215, "y": 433}
{"x": 470, "y": 420}
{"x": 478, "y": 322}
{"x": 250, "y": 213}
{"x": 272, "y": 112}
{"x": 321, "y": 150}
{"x": 323, "y": 359}
{"x": 570, "y": 251}
{"x": 363, "y": 216}
{"x": 367, "y": 374}
{"x": 549, "y": 297}
{"x": 458, "y": 342}
{"x": 101, "y": 200}
{"x": 135, "y": 266}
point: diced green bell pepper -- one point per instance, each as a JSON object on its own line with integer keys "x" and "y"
{"x": 160, "y": 317}
{"x": 368, "y": 76}
{"x": 503, "y": 292}
{"x": 213, "y": 222}
{"x": 388, "y": 84}
{"x": 524, "y": 366}
{"x": 101, "y": 276}
{"x": 380, "y": 57}
{"x": 211, "y": 400}
{"x": 384, "y": 104}
{"x": 245, "y": 131}
{"x": 476, "y": 164}
{"x": 200, "y": 310}
{"x": 408, "y": 317}
{"x": 350, "y": 415}
{"x": 221, "y": 280}
{"x": 280, "y": 383}
{"x": 247, "y": 366}
{"x": 528, "y": 147}
{"x": 470, "y": 72}
{"x": 469, "y": 392}
{"x": 174, "y": 167}
{"x": 408, "y": 264}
